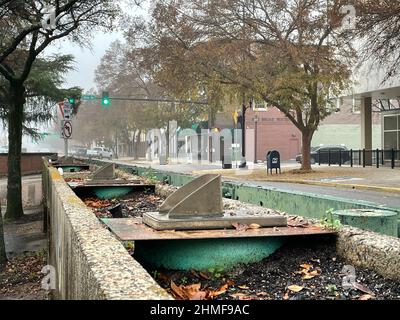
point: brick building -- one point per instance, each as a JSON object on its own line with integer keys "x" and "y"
{"x": 272, "y": 131}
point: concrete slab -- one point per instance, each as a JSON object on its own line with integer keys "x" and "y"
{"x": 162, "y": 222}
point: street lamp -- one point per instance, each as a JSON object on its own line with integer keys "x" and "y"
{"x": 256, "y": 120}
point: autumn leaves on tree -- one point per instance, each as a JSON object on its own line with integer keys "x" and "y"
{"x": 288, "y": 53}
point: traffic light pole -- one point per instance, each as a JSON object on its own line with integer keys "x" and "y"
{"x": 66, "y": 147}
{"x": 92, "y": 98}
{"x": 243, "y": 163}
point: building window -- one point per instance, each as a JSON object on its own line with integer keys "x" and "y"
{"x": 356, "y": 106}
{"x": 391, "y": 131}
{"x": 260, "y": 105}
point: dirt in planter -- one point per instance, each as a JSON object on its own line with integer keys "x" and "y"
{"x": 301, "y": 270}
{"x": 132, "y": 205}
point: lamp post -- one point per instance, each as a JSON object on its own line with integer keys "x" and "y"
{"x": 243, "y": 163}
{"x": 256, "y": 120}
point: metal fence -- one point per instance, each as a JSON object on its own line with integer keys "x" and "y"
{"x": 364, "y": 158}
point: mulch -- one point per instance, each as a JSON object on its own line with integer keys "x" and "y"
{"x": 300, "y": 270}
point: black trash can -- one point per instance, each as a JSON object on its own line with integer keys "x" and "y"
{"x": 273, "y": 161}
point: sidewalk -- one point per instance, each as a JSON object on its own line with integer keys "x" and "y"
{"x": 383, "y": 179}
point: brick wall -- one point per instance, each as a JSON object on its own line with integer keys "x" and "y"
{"x": 274, "y": 132}
{"x": 30, "y": 162}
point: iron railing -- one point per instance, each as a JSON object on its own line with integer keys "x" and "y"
{"x": 364, "y": 158}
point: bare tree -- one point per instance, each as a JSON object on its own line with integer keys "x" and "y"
{"x": 378, "y": 28}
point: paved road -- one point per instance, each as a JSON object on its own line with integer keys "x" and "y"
{"x": 380, "y": 198}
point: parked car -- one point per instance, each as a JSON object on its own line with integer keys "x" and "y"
{"x": 81, "y": 152}
{"x": 334, "y": 153}
{"x": 92, "y": 153}
{"x": 99, "y": 152}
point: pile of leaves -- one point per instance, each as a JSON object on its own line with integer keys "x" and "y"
{"x": 77, "y": 180}
{"x": 194, "y": 291}
{"x": 301, "y": 270}
{"x": 132, "y": 205}
{"x": 21, "y": 278}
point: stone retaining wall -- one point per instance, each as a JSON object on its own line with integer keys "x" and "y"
{"x": 90, "y": 263}
{"x": 370, "y": 250}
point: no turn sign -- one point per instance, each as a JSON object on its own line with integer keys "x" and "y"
{"x": 66, "y": 129}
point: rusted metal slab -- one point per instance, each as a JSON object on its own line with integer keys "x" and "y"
{"x": 133, "y": 229}
{"x": 108, "y": 183}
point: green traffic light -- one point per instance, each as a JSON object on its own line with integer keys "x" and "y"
{"x": 105, "y": 100}
{"x": 72, "y": 100}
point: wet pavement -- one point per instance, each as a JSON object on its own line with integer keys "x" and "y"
{"x": 25, "y": 235}
{"x": 374, "y": 176}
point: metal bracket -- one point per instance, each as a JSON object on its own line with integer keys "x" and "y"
{"x": 199, "y": 198}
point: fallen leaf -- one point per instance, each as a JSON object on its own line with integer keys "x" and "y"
{"x": 205, "y": 276}
{"x": 311, "y": 275}
{"x": 240, "y": 296}
{"x": 262, "y": 294}
{"x": 178, "y": 291}
{"x": 220, "y": 291}
{"x": 363, "y": 288}
{"x": 295, "y": 288}
{"x": 190, "y": 292}
{"x": 198, "y": 295}
{"x": 286, "y": 296}
{"x": 240, "y": 227}
{"x": 306, "y": 266}
{"x": 366, "y": 297}
{"x": 254, "y": 226}
{"x": 243, "y": 287}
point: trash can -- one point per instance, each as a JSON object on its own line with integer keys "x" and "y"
{"x": 227, "y": 162}
{"x": 273, "y": 161}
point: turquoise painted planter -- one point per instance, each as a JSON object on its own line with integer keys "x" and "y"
{"x": 204, "y": 254}
{"x": 111, "y": 192}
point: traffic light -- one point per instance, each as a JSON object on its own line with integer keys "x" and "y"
{"x": 105, "y": 100}
{"x": 235, "y": 117}
{"x": 72, "y": 100}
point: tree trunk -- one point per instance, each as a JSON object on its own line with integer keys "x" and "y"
{"x": 306, "y": 150}
{"x": 15, "y": 121}
{"x": 3, "y": 255}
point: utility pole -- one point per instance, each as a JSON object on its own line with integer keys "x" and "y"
{"x": 243, "y": 163}
{"x": 256, "y": 119}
